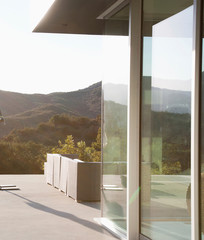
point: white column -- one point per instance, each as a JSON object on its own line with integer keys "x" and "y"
{"x": 133, "y": 172}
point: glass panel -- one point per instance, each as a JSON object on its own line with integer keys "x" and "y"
{"x": 115, "y": 87}
{"x": 166, "y": 119}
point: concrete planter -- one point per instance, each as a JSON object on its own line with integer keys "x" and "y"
{"x": 77, "y": 179}
{"x": 64, "y": 174}
{"x": 49, "y": 169}
{"x": 57, "y": 169}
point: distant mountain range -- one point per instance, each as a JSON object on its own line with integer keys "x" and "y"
{"x": 161, "y": 99}
{"x": 173, "y": 101}
{"x": 166, "y": 100}
{"x": 28, "y": 110}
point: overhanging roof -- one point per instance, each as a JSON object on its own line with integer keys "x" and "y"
{"x": 80, "y": 17}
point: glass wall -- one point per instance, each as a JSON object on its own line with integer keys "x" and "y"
{"x": 166, "y": 119}
{"x": 115, "y": 88}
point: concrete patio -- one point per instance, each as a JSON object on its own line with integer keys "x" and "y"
{"x": 39, "y": 211}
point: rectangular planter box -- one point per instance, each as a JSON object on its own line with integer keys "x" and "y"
{"x": 50, "y": 169}
{"x": 64, "y": 174}
{"x": 57, "y": 168}
{"x": 84, "y": 181}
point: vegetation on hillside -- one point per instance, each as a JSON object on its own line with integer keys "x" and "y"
{"x": 165, "y": 140}
{"x": 58, "y": 119}
{"x": 170, "y": 151}
{"x": 21, "y": 158}
{"x": 85, "y": 153}
{"x": 115, "y": 140}
{"x": 36, "y": 123}
{"x": 29, "y": 110}
{"x": 24, "y": 151}
{"x": 57, "y": 128}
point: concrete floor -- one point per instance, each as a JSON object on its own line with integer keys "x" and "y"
{"x": 39, "y": 211}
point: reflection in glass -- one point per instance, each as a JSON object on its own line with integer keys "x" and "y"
{"x": 115, "y": 87}
{"x": 166, "y": 119}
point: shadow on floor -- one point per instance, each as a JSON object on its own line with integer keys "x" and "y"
{"x": 91, "y": 204}
{"x": 66, "y": 215}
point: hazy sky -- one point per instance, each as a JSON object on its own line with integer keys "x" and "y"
{"x": 168, "y": 53}
{"x": 172, "y": 51}
{"x": 39, "y": 62}
{"x": 44, "y": 63}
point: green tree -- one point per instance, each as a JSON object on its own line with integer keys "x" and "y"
{"x": 85, "y": 153}
{"x": 97, "y": 145}
{"x": 67, "y": 148}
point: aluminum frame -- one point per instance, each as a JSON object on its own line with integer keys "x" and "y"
{"x": 113, "y": 9}
{"x": 195, "y": 120}
{"x": 200, "y": 60}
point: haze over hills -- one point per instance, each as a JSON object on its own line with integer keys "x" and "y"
{"x": 28, "y": 110}
{"x": 162, "y": 100}
{"x": 118, "y": 95}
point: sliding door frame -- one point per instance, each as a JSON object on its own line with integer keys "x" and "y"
{"x": 195, "y": 121}
{"x": 134, "y": 121}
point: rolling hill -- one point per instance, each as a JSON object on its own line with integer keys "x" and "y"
{"x": 29, "y": 110}
{"x": 161, "y": 99}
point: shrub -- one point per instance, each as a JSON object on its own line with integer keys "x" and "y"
{"x": 88, "y": 154}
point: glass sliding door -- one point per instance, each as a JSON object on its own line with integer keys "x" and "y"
{"x": 115, "y": 89}
{"x": 166, "y": 119}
